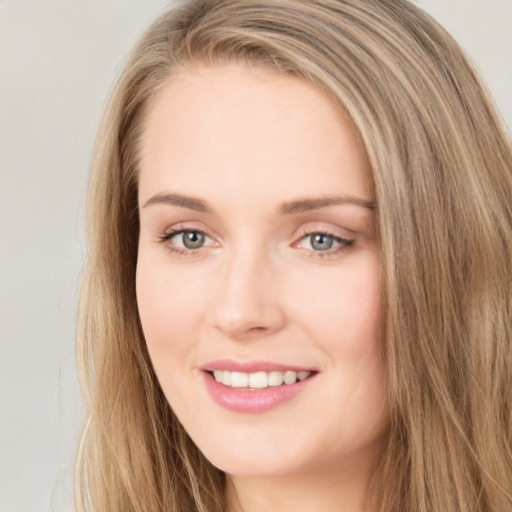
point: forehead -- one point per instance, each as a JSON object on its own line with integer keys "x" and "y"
{"x": 248, "y": 131}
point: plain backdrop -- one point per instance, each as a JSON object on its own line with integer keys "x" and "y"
{"x": 58, "y": 60}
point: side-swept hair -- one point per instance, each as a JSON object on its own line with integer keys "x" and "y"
{"x": 441, "y": 167}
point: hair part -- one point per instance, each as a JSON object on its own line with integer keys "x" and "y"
{"x": 440, "y": 161}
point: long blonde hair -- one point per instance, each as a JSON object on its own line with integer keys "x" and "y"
{"x": 441, "y": 165}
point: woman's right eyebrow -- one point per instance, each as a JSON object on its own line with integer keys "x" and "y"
{"x": 172, "y": 199}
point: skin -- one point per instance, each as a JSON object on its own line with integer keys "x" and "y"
{"x": 244, "y": 141}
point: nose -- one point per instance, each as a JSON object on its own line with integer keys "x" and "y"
{"x": 248, "y": 302}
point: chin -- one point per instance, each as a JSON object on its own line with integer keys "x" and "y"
{"x": 285, "y": 452}
{"x": 253, "y": 454}
{"x": 265, "y": 465}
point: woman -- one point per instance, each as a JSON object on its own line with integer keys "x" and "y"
{"x": 298, "y": 292}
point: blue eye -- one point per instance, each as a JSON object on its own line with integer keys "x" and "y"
{"x": 185, "y": 239}
{"x": 192, "y": 239}
{"x": 322, "y": 242}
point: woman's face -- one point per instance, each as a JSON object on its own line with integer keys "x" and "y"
{"x": 258, "y": 261}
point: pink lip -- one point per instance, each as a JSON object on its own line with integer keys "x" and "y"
{"x": 251, "y": 401}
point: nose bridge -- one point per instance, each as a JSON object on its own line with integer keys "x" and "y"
{"x": 246, "y": 301}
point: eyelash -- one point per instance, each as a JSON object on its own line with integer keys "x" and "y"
{"x": 344, "y": 244}
{"x": 166, "y": 237}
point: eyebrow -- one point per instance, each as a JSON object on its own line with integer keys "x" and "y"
{"x": 289, "y": 208}
{"x": 178, "y": 200}
{"x": 304, "y": 205}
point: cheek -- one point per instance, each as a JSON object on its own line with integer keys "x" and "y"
{"x": 170, "y": 307}
{"x": 343, "y": 317}
{"x": 343, "y": 306}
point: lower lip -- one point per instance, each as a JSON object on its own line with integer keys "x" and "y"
{"x": 253, "y": 401}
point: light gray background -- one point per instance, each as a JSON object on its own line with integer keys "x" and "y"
{"x": 57, "y": 63}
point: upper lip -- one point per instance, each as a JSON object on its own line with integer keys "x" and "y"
{"x": 251, "y": 366}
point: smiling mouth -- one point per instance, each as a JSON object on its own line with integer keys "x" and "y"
{"x": 259, "y": 380}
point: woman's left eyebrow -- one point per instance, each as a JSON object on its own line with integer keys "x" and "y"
{"x": 304, "y": 205}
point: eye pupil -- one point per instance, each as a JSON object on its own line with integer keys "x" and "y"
{"x": 321, "y": 242}
{"x": 193, "y": 239}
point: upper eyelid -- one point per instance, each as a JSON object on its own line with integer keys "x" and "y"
{"x": 300, "y": 233}
{"x": 340, "y": 239}
{"x": 173, "y": 232}
{"x": 327, "y": 233}
{"x": 307, "y": 232}
{"x": 335, "y": 231}
{"x": 304, "y": 224}
{"x": 180, "y": 227}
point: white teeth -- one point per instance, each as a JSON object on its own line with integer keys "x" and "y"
{"x": 226, "y": 378}
{"x": 259, "y": 380}
{"x": 275, "y": 378}
{"x": 239, "y": 380}
{"x": 290, "y": 377}
{"x": 303, "y": 375}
